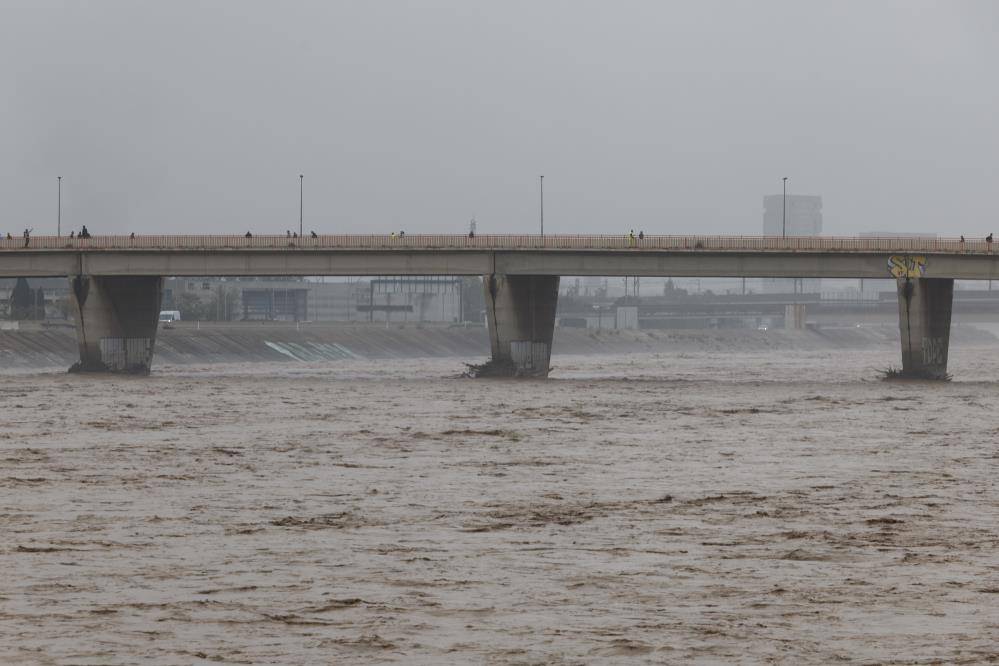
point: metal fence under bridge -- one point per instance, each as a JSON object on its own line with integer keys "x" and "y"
{"x": 531, "y": 356}
{"x": 126, "y": 354}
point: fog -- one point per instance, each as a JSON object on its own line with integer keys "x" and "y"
{"x": 189, "y": 117}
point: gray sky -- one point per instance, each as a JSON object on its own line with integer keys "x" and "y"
{"x": 673, "y": 117}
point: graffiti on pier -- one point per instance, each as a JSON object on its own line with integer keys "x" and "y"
{"x": 907, "y": 265}
{"x": 934, "y": 351}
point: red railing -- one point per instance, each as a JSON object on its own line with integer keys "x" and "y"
{"x": 484, "y": 242}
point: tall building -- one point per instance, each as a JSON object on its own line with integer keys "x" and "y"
{"x": 804, "y": 215}
{"x": 804, "y": 218}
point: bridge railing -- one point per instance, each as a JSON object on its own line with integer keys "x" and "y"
{"x": 505, "y": 242}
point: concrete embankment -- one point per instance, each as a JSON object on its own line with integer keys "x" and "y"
{"x": 39, "y": 346}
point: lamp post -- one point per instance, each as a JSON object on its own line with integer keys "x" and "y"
{"x": 784, "y": 213}
{"x": 301, "y": 192}
{"x": 542, "y": 181}
{"x": 59, "y": 209}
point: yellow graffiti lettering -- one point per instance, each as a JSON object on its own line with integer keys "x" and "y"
{"x": 907, "y": 266}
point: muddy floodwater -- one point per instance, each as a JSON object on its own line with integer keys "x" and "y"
{"x": 659, "y": 508}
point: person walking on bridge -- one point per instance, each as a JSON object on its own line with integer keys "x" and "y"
{"x": 631, "y": 238}
{"x": 27, "y": 236}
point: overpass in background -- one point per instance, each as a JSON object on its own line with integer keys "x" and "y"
{"x": 117, "y": 280}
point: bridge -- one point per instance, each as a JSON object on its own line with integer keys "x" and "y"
{"x": 117, "y": 280}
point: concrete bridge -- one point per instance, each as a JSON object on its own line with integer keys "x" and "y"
{"x": 117, "y": 280}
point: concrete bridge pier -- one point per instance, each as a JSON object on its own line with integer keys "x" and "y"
{"x": 924, "y": 309}
{"x": 116, "y": 322}
{"x": 520, "y": 310}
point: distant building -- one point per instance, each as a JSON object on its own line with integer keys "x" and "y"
{"x": 804, "y": 215}
{"x": 398, "y": 299}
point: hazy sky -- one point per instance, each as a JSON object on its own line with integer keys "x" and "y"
{"x": 672, "y": 117}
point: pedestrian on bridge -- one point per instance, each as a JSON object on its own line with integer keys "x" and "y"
{"x": 314, "y": 235}
{"x": 27, "y": 236}
{"x": 631, "y": 238}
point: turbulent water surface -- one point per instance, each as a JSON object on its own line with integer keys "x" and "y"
{"x": 682, "y": 508}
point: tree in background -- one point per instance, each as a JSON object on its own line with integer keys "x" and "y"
{"x": 25, "y": 302}
{"x": 192, "y": 308}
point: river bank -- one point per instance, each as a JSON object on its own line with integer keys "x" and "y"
{"x": 55, "y": 346}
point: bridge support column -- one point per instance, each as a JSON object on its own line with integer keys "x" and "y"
{"x": 520, "y": 310}
{"x": 116, "y": 322}
{"x": 924, "y": 309}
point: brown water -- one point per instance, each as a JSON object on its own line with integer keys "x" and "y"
{"x": 694, "y": 508}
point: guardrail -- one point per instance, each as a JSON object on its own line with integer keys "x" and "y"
{"x": 486, "y": 242}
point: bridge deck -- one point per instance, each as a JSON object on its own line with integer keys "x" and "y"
{"x": 506, "y": 242}
{"x": 676, "y": 256}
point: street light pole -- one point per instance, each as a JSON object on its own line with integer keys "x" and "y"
{"x": 784, "y": 214}
{"x": 59, "y": 209}
{"x": 542, "y": 180}
{"x": 301, "y": 192}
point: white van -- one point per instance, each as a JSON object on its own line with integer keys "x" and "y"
{"x": 170, "y": 315}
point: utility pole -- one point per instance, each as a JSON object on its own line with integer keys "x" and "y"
{"x": 59, "y": 209}
{"x": 784, "y": 214}
{"x": 301, "y": 192}
{"x": 542, "y": 180}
